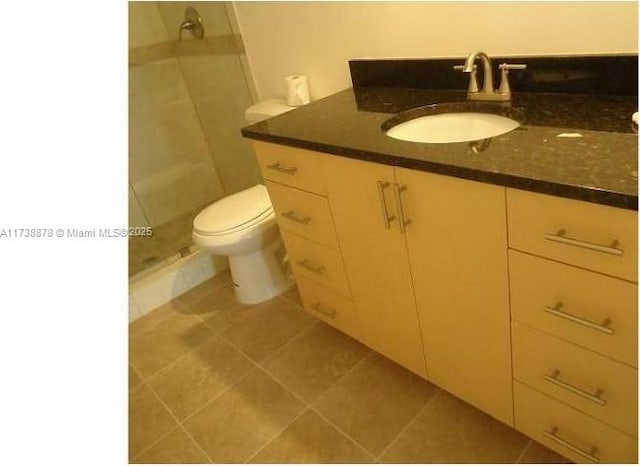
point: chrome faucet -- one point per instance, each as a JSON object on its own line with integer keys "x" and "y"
{"x": 488, "y": 73}
{"x": 487, "y": 93}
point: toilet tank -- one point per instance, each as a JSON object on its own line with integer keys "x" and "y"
{"x": 265, "y": 109}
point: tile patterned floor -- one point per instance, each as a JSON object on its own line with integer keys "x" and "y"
{"x": 213, "y": 381}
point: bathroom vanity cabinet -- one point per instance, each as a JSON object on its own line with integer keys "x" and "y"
{"x": 459, "y": 281}
{"x": 430, "y": 281}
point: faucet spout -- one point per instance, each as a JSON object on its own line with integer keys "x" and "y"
{"x": 487, "y": 85}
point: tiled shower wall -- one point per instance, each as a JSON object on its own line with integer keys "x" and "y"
{"x": 170, "y": 166}
{"x": 186, "y": 107}
{"x": 187, "y": 102}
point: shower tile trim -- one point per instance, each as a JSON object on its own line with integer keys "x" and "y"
{"x": 228, "y": 44}
{"x": 161, "y": 286}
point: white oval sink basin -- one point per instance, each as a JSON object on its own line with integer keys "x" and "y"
{"x": 453, "y": 127}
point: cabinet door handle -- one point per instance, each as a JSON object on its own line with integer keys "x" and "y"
{"x": 596, "y": 397}
{"x": 282, "y": 169}
{"x": 604, "y": 327}
{"x": 590, "y": 455}
{"x": 398, "y": 191}
{"x": 560, "y": 237}
{"x": 383, "y": 205}
{"x": 325, "y": 311}
{"x": 305, "y": 264}
{"x": 291, "y": 215}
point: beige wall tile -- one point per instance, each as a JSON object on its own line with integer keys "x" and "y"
{"x": 136, "y": 215}
{"x": 199, "y": 376}
{"x": 312, "y": 363}
{"x": 234, "y": 426}
{"x": 148, "y": 419}
{"x": 268, "y": 327}
{"x": 451, "y": 431}
{"x": 221, "y": 95}
{"x": 170, "y": 168}
{"x": 145, "y": 24}
{"x": 310, "y": 439}
{"x": 213, "y": 15}
{"x": 375, "y": 401}
{"x": 175, "y": 447}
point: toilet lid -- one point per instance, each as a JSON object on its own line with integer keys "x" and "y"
{"x": 241, "y": 209}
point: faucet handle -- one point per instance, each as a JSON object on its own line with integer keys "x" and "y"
{"x": 505, "y": 89}
{"x": 473, "y": 78}
{"x": 512, "y": 66}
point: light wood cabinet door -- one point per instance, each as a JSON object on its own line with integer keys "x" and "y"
{"x": 375, "y": 258}
{"x": 457, "y": 244}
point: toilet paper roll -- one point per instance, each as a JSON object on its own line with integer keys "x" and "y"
{"x": 297, "y": 90}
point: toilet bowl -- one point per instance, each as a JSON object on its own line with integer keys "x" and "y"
{"x": 243, "y": 227}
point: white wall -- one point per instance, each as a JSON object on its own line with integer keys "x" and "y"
{"x": 318, "y": 38}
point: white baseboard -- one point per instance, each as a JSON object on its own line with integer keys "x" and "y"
{"x": 150, "y": 290}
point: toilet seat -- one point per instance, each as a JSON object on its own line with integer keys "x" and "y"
{"x": 235, "y": 213}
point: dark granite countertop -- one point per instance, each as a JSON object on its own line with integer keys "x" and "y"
{"x": 599, "y": 167}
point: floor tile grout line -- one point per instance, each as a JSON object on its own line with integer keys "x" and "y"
{"x": 199, "y": 409}
{"x": 206, "y": 455}
{"x": 351, "y": 369}
{"x": 152, "y": 444}
{"x": 225, "y": 390}
{"x": 309, "y": 407}
{"x": 294, "y": 338}
{"x": 268, "y": 442}
{"x": 524, "y": 451}
{"x": 339, "y": 429}
{"x": 170, "y": 365}
{"x": 408, "y": 425}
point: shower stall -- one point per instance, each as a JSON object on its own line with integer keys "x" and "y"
{"x": 187, "y": 97}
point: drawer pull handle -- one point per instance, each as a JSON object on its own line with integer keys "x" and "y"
{"x": 604, "y": 327}
{"x": 325, "y": 311}
{"x": 590, "y": 455}
{"x": 560, "y": 237}
{"x": 403, "y": 223}
{"x": 593, "y": 397}
{"x": 282, "y": 169}
{"x": 383, "y": 205}
{"x": 291, "y": 215}
{"x": 305, "y": 264}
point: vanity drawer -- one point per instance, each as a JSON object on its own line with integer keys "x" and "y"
{"x": 587, "y": 300}
{"x": 592, "y": 236}
{"x": 287, "y": 165}
{"x": 333, "y": 308}
{"x": 568, "y": 431}
{"x": 598, "y": 386}
{"x": 303, "y": 213}
{"x": 316, "y": 262}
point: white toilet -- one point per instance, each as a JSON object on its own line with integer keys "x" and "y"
{"x": 243, "y": 227}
